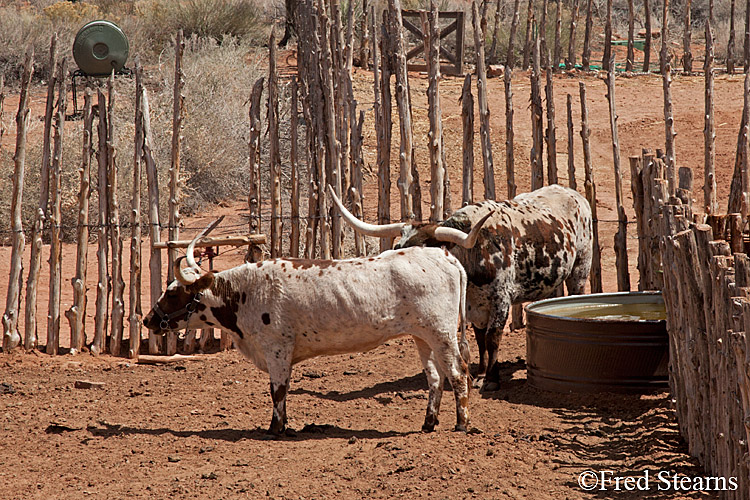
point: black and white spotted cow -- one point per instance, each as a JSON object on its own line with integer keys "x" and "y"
{"x": 281, "y": 312}
{"x": 525, "y": 251}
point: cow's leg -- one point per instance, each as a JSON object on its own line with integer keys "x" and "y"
{"x": 480, "y": 333}
{"x": 492, "y": 338}
{"x": 435, "y": 381}
{"x": 576, "y": 282}
{"x": 280, "y": 373}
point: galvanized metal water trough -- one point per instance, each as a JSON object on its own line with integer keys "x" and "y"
{"x": 615, "y": 342}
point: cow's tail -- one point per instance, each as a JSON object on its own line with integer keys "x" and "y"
{"x": 463, "y": 343}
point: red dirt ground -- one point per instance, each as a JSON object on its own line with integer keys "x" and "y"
{"x": 196, "y": 429}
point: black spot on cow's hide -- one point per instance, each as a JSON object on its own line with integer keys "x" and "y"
{"x": 266, "y": 318}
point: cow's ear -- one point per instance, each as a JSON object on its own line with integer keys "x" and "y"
{"x": 202, "y": 283}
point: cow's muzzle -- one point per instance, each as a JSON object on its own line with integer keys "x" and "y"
{"x": 165, "y": 318}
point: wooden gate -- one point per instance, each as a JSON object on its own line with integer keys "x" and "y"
{"x": 413, "y": 24}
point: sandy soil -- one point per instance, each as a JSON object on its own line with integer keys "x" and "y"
{"x": 196, "y": 429}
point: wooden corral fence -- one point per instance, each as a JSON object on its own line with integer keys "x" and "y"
{"x": 702, "y": 266}
{"x": 331, "y": 150}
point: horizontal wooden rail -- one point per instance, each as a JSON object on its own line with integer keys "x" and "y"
{"x": 253, "y": 239}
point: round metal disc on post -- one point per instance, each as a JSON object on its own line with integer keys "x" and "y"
{"x": 99, "y": 47}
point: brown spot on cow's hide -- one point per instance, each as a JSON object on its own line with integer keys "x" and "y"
{"x": 279, "y": 393}
{"x": 244, "y": 297}
{"x": 266, "y": 318}
{"x": 226, "y": 314}
{"x": 227, "y": 318}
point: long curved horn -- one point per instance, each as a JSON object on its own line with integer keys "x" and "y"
{"x": 382, "y": 231}
{"x": 179, "y": 273}
{"x": 458, "y": 237}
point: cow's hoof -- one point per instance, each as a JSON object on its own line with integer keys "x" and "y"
{"x": 477, "y": 382}
{"x": 460, "y": 428}
{"x": 428, "y": 428}
{"x": 490, "y": 386}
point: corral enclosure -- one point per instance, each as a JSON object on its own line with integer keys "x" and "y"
{"x": 189, "y": 430}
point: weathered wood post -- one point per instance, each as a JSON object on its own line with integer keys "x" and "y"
{"x": 571, "y": 154}
{"x": 570, "y": 61}
{"x": 551, "y": 135}
{"x": 621, "y": 237}
{"x": 118, "y": 285}
{"x": 484, "y": 111}
{"x": 542, "y": 34}
{"x": 509, "y": 132}
{"x": 77, "y": 313}
{"x": 274, "y": 159}
{"x": 527, "y": 47}
{"x": 558, "y": 36}
{"x": 55, "y": 183}
{"x": 687, "y": 35}
{"x": 254, "y": 194}
{"x": 178, "y": 106}
{"x": 630, "y": 58}
{"x": 746, "y": 52}
{"x": 383, "y": 141}
{"x": 364, "y": 36}
{"x": 586, "y": 56}
{"x": 11, "y": 337}
{"x": 406, "y": 146}
{"x": 666, "y": 75}
{"x": 510, "y": 55}
{"x": 732, "y": 37}
{"x": 647, "y": 41}
{"x": 467, "y": 119}
{"x": 102, "y": 233}
{"x": 596, "y": 266}
{"x": 293, "y": 164}
{"x": 709, "y": 130}
{"x": 435, "y": 135}
{"x": 745, "y": 157}
{"x": 155, "y": 341}
{"x": 135, "y": 315}
{"x": 607, "y": 37}
{"x": 537, "y": 125}
{"x": 40, "y": 217}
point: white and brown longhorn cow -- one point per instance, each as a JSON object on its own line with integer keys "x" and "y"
{"x": 526, "y": 250}
{"x": 281, "y": 312}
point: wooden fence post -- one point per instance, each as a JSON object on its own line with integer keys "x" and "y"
{"x": 647, "y": 41}
{"x": 666, "y": 74}
{"x": 570, "y": 61}
{"x": 607, "y": 37}
{"x": 11, "y": 337}
{"x": 551, "y": 134}
{"x": 118, "y": 286}
{"x": 542, "y": 35}
{"x": 630, "y": 58}
{"x": 484, "y": 111}
{"x": 586, "y": 56}
{"x": 178, "y": 105}
{"x": 294, "y": 195}
{"x": 732, "y": 36}
{"x": 274, "y": 159}
{"x": 510, "y": 54}
{"x": 746, "y": 52}
{"x": 509, "y": 133}
{"x": 40, "y": 218}
{"x": 745, "y": 160}
{"x": 155, "y": 342}
{"x": 135, "y": 314}
{"x": 254, "y": 194}
{"x": 558, "y": 35}
{"x": 435, "y": 136}
{"x": 709, "y": 131}
{"x": 55, "y": 183}
{"x": 527, "y": 48}
{"x": 467, "y": 119}
{"x": 383, "y": 142}
{"x": 596, "y": 266}
{"x": 571, "y": 154}
{"x": 537, "y": 125}
{"x": 687, "y": 55}
{"x": 102, "y": 233}
{"x": 621, "y": 238}
{"x": 77, "y": 313}
{"x": 406, "y": 146}
{"x": 356, "y": 177}
{"x": 364, "y": 36}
